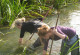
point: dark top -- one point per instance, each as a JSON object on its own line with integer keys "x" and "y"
{"x": 30, "y": 26}
{"x": 68, "y": 32}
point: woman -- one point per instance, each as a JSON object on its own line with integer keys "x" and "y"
{"x": 68, "y": 36}
{"x": 29, "y": 26}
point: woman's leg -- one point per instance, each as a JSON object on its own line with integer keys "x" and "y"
{"x": 64, "y": 48}
{"x": 37, "y": 43}
{"x": 32, "y": 48}
{"x": 75, "y": 51}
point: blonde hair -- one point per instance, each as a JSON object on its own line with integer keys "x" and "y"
{"x": 17, "y": 22}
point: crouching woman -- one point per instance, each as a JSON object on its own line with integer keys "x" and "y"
{"x": 68, "y": 36}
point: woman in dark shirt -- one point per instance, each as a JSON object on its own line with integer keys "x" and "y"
{"x": 68, "y": 36}
{"x": 28, "y": 26}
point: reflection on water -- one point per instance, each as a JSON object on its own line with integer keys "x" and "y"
{"x": 75, "y": 18}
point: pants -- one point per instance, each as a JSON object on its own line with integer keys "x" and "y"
{"x": 69, "y": 44}
{"x": 33, "y": 47}
{"x": 37, "y": 43}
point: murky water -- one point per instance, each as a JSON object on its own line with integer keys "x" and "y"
{"x": 9, "y": 38}
{"x": 75, "y": 21}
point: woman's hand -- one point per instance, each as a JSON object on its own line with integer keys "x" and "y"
{"x": 44, "y": 52}
{"x": 54, "y": 30}
{"x": 20, "y": 40}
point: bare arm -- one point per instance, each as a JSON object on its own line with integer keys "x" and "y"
{"x": 20, "y": 40}
{"x": 58, "y": 34}
{"x": 45, "y": 42}
{"x": 44, "y": 52}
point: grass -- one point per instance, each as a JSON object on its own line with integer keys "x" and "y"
{"x": 10, "y": 10}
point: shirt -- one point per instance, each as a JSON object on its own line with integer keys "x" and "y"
{"x": 30, "y": 26}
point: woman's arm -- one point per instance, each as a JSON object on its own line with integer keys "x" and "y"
{"x": 44, "y": 52}
{"x": 20, "y": 40}
{"x": 21, "y": 35}
{"x": 62, "y": 36}
{"x": 45, "y": 46}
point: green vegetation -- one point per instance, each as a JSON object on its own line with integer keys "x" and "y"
{"x": 11, "y": 9}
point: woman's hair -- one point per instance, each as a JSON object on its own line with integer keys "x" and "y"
{"x": 17, "y": 22}
{"x": 42, "y": 31}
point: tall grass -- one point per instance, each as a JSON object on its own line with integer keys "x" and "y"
{"x": 10, "y": 10}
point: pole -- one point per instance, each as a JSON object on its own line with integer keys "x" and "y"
{"x": 53, "y": 35}
{"x": 31, "y": 36}
{"x": 48, "y": 11}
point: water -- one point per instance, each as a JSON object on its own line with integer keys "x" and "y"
{"x": 75, "y": 21}
{"x": 9, "y": 38}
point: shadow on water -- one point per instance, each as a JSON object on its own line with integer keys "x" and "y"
{"x": 9, "y": 38}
